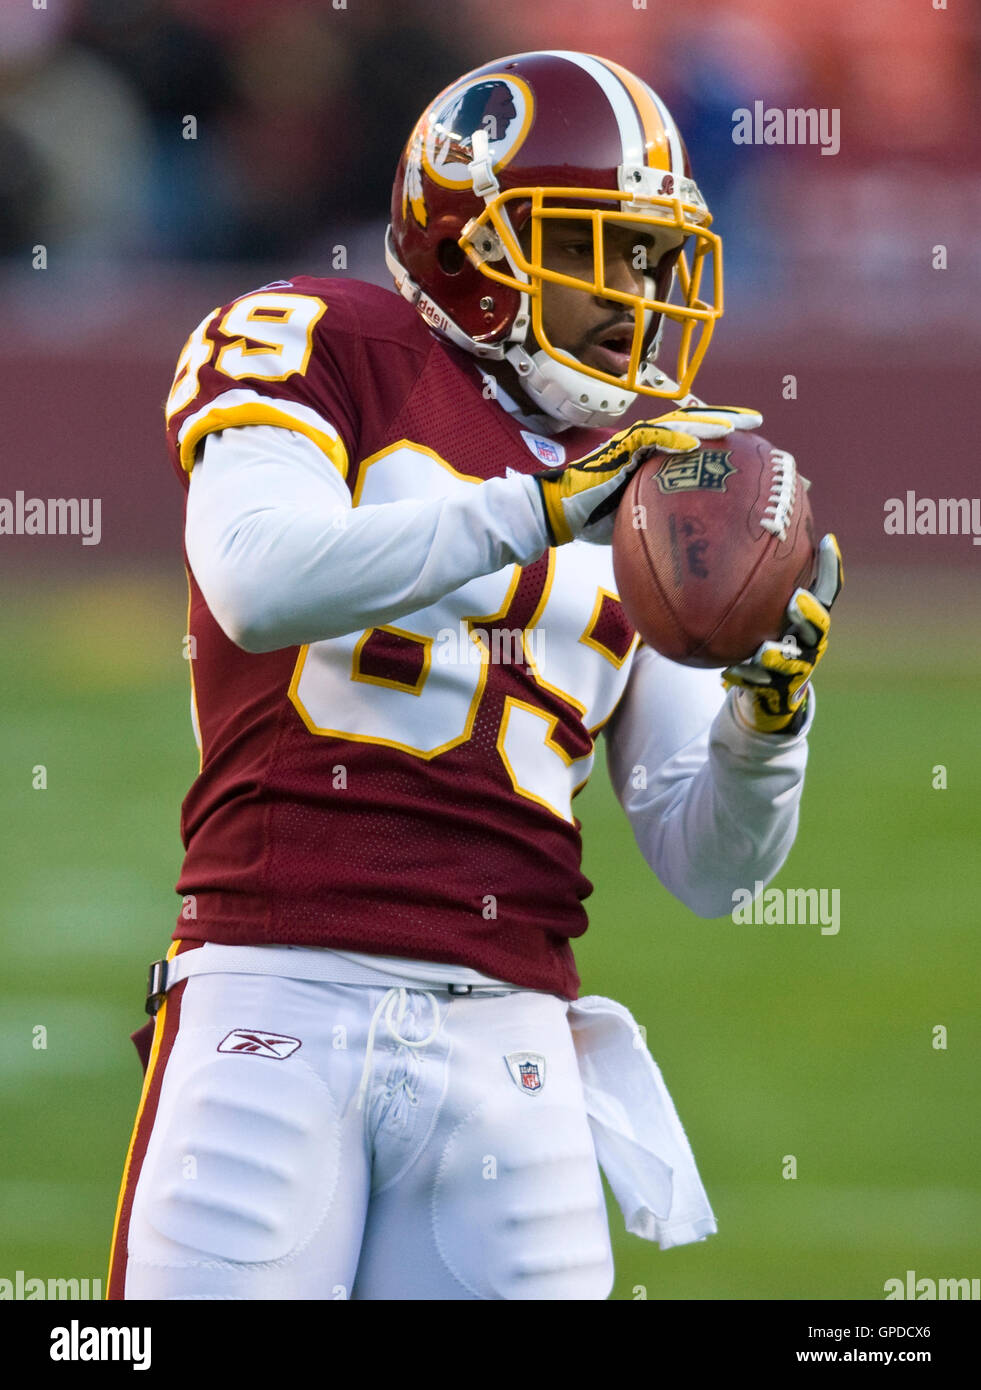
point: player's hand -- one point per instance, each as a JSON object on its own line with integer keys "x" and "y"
{"x": 581, "y": 498}
{"x": 690, "y": 417}
{"x": 772, "y": 686}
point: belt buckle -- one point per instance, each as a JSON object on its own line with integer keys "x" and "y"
{"x": 156, "y": 986}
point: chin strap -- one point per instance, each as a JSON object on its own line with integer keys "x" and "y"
{"x": 559, "y": 390}
{"x": 481, "y": 167}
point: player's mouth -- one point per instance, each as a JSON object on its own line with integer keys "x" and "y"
{"x": 609, "y": 348}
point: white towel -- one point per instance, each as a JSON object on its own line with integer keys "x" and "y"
{"x": 639, "y": 1141}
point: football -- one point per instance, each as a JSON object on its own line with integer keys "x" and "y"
{"x": 708, "y": 548}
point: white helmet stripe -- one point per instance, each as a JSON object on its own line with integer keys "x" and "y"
{"x": 627, "y": 117}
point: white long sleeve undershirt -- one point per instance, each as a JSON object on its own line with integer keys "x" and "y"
{"x": 713, "y": 804}
{"x": 283, "y": 559}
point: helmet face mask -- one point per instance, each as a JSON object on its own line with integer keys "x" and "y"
{"x": 670, "y": 222}
{"x": 494, "y": 164}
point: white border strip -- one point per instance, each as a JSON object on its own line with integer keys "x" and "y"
{"x": 627, "y": 117}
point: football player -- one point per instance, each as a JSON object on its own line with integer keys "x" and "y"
{"x": 370, "y": 1073}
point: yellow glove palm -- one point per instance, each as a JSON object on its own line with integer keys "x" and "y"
{"x": 773, "y": 685}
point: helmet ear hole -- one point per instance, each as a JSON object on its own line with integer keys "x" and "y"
{"x": 450, "y": 256}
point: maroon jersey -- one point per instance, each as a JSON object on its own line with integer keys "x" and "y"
{"x": 404, "y": 790}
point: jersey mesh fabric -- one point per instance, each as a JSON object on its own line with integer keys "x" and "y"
{"x": 300, "y": 838}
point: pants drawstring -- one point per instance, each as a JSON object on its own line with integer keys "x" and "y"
{"x": 397, "y": 996}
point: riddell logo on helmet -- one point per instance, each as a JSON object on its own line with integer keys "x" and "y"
{"x": 435, "y": 316}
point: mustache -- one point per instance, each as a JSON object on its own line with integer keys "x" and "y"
{"x": 615, "y": 321}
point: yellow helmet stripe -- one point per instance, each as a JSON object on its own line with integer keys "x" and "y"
{"x": 661, "y": 148}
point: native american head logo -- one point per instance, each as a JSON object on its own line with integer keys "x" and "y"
{"x": 442, "y": 143}
{"x": 486, "y": 106}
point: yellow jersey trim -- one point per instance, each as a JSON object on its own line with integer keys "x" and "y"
{"x": 257, "y": 413}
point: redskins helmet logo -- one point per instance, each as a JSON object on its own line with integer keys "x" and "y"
{"x": 486, "y": 106}
{"x": 442, "y": 143}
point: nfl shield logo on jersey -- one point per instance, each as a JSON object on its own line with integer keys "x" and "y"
{"x": 527, "y": 1070}
{"x": 550, "y": 451}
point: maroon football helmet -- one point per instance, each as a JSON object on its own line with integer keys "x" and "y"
{"x": 556, "y": 134}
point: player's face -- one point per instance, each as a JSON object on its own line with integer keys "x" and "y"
{"x": 597, "y": 331}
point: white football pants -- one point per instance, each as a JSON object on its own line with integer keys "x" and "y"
{"x": 393, "y": 1154}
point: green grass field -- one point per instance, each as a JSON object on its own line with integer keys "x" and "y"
{"x": 774, "y": 1040}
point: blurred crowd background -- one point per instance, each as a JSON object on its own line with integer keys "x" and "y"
{"x": 94, "y": 94}
{"x": 299, "y": 110}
